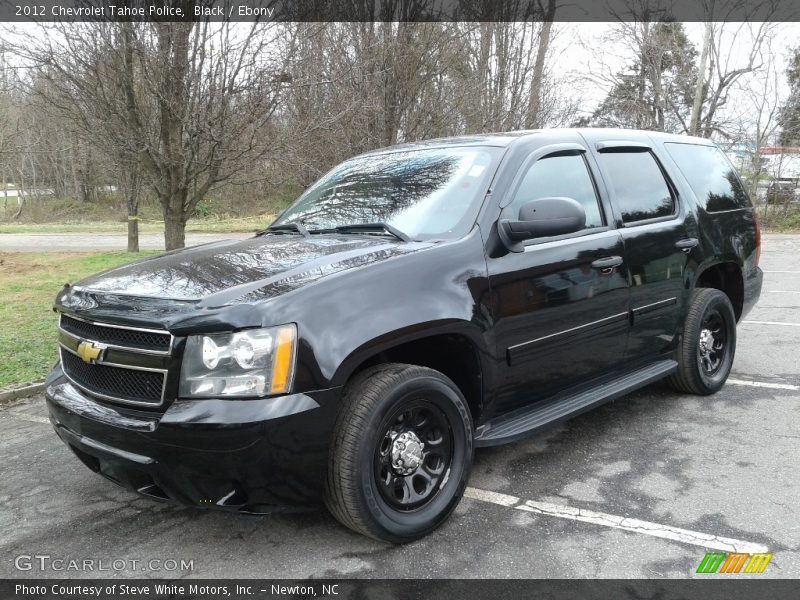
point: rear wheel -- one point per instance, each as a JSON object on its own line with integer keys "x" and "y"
{"x": 705, "y": 354}
{"x": 401, "y": 453}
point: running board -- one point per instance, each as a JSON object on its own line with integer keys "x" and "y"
{"x": 522, "y": 422}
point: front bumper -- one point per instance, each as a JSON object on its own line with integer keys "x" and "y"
{"x": 245, "y": 455}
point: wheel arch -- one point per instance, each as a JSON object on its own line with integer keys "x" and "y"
{"x": 456, "y": 351}
{"x": 727, "y": 277}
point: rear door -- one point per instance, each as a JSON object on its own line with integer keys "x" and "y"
{"x": 560, "y": 306}
{"x": 658, "y": 243}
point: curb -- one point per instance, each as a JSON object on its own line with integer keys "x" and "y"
{"x": 21, "y": 392}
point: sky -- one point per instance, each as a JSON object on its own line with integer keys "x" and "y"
{"x": 576, "y": 46}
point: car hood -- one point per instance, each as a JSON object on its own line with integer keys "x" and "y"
{"x": 233, "y": 271}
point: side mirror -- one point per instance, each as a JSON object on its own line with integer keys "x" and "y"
{"x": 542, "y": 218}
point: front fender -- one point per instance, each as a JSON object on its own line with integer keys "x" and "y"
{"x": 393, "y": 339}
{"x": 347, "y": 318}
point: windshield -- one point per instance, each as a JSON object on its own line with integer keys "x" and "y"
{"x": 425, "y": 194}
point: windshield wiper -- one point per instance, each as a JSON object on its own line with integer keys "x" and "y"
{"x": 292, "y": 226}
{"x": 367, "y": 227}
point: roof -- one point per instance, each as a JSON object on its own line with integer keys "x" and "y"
{"x": 506, "y": 138}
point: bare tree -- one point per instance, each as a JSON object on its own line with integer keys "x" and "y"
{"x": 185, "y": 103}
{"x": 498, "y": 65}
{"x": 653, "y": 90}
{"x": 359, "y": 86}
{"x": 726, "y": 69}
{"x": 504, "y": 81}
{"x": 757, "y": 118}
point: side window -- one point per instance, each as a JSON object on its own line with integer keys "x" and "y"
{"x": 711, "y": 176}
{"x": 560, "y": 175}
{"x": 640, "y": 190}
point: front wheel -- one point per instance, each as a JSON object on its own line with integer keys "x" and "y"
{"x": 705, "y": 353}
{"x": 401, "y": 453}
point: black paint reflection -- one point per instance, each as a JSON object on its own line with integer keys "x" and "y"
{"x": 664, "y": 208}
{"x": 424, "y": 193}
{"x": 727, "y": 199}
{"x": 713, "y": 180}
{"x": 195, "y": 273}
{"x": 639, "y": 185}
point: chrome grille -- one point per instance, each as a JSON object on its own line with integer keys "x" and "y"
{"x": 130, "y": 368}
{"x": 148, "y": 340}
{"x": 114, "y": 383}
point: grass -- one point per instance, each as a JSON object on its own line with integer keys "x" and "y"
{"x": 28, "y": 284}
{"x": 235, "y": 210}
{"x": 782, "y": 223}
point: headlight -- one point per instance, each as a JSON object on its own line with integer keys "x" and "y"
{"x": 250, "y": 363}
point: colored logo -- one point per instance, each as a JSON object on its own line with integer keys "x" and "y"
{"x": 732, "y": 562}
{"x": 89, "y": 352}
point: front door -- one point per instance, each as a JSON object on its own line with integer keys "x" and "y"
{"x": 560, "y": 306}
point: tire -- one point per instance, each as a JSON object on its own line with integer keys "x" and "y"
{"x": 704, "y": 363}
{"x": 380, "y": 481}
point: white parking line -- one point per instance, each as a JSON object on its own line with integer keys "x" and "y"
{"x": 781, "y": 292}
{"x": 685, "y": 536}
{"x": 658, "y": 530}
{"x": 771, "y": 323}
{"x": 791, "y": 272}
{"x": 760, "y": 384}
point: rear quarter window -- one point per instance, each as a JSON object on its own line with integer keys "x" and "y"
{"x": 711, "y": 176}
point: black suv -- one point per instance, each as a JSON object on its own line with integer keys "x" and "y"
{"x": 414, "y": 303}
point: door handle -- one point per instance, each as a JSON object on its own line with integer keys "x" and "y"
{"x": 607, "y": 264}
{"x": 686, "y": 245}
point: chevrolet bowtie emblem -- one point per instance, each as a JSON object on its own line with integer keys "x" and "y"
{"x": 90, "y": 352}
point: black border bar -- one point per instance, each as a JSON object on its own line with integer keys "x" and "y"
{"x": 398, "y": 10}
{"x": 709, "y": 587}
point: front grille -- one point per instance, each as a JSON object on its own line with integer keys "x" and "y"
{"x": 114, "y": 383}
{"x": 152, "y": 341}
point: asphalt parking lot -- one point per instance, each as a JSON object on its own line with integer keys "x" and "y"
{"x": 642, "y": 487}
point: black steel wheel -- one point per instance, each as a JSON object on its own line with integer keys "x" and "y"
{"x": 413, "y": 457}
{"x": 708, "y": 343}
{"x": 712, "y": 342}
{"x": 401, "y": 452}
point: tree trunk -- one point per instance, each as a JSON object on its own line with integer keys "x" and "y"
{"x": 641, "y": 110}
{"x": 174, "y": 230}
{"x": 20, "y": 197}
{"x": 173, "y": 51}
{"x": 175, "y": 217}
{"x": 534, "y": 119}
{"x": 658, "y": 96}
{"x": 73, "y": 163}
{"x": 701, "y": 82}
{"x": 133, "y": 233}
{"x": 20, "y": 206}
{"x": 132, "y": 204}
{"x": 129, "y": 182}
